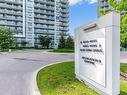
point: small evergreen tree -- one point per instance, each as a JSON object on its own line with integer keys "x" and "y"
{"x": 62, "y": 42}
{"x": 45, "y": 41}
{"x": 69, "y": 43}
{"x": 24, "y": 43}
{"x": 42, "y": 40}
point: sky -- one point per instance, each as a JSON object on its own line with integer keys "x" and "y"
{"x": 81, "y": 12}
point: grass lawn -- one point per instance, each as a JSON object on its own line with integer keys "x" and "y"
{"x": 62, "y": 50}
{"x": 59, "y": 79}
{"x": 123, "y": 87}
{"x": 123, "y": 68}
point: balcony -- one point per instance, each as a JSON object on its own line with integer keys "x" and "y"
{"x": 44, "y": 12}
{"x": 6, "y": 23}
{"x": 10, "y": 12}
{"x": 10, "y": 6}
{"x": 64, "y": 20}
{"x": 44, "y": 7}
{"x": 64, "y": 6}
{"x": 44, "y": 2}
{"x": 64, "y": 29}
{"x": 44, "y": 22}
{"x": 44, "y": 27}
{"x": 10, "y": 18}
{"x": 44, "y": 33}
{"x": 64, "y": 11}
{"x": 64, "y": 24}
{"x": 12, "y": 2}
{"x": 64, "y": 15}
{"x": 64, "y": 1}
{"x": 44, "y": 17}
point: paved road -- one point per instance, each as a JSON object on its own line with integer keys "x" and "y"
{"x": 17, "y": 70}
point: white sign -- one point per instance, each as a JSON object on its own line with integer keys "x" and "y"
{"x": 92, "y": 56}
{"x": 97, "y": 54}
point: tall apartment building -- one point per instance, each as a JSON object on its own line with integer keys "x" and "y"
{"x": 32, "y": 18}
{"x": 103, "y": 4}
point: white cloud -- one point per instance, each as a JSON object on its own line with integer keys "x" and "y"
{"x": 74, "y": 2}
{"x": 92, "y": 1}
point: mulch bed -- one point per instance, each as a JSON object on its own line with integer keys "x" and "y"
{"x": 123, "y": 75}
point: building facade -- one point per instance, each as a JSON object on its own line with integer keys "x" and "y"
{"x": 103, "y": 4}
{"x": 32, "y": 18}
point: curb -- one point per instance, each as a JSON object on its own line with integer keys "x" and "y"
{"x": 4, "y": 53}
{"x": 35, "y": 87}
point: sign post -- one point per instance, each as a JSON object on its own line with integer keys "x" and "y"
{"x": 97, "y": 54}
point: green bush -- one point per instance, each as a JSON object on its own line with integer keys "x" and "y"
{"x": 7, "y": 39}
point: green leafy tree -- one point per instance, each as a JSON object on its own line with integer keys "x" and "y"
{"x": 24, "y": 43}
{"x": 124, "y": 40}
{"x": 45, "y": 41}
{"x": 62, "y": 42}
{"x": 102, "y": 12}
{"x": 119, "y": 7}
{"x": 69, "y": 43}
{"x": 42, "y": 40}
{"x": 7, "y": 39}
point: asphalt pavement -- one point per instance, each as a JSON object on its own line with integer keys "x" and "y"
{"x": 17, "y": 70}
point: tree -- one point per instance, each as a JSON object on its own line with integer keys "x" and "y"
{"x": 119, "y": 7}
{"x": 102, "y": 12}
{"x": 24, "y": 43}
{"x": 42, "y": 40}
{"x": 45, "y": 41}
{"x": 6, "y": 39}
{"x": 69, "y": 43}
{"x": 123, "y": 40}
{"x": 62, "y": 42}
